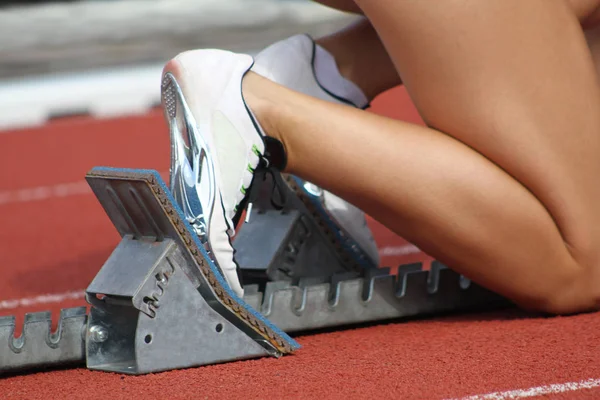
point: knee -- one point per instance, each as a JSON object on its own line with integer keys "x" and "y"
{"x": 557, "y": 306}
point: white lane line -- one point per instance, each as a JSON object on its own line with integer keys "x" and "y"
{"x": 38, "y": 193}
{"x": 42, "y": 299}
{"x": 44, "y": 192}
{"x": 537, "y": 390}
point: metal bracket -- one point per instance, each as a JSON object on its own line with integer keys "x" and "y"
{"x": 151, "y": 317}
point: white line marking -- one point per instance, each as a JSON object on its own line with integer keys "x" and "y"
{"x": 399, "y": 250}
{"x": 42, "y": 299}
{"x": 537, "y": 391}
{"x": 44, "y": 192}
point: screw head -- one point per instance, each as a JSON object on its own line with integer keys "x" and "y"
{"x": 98, "y": 334}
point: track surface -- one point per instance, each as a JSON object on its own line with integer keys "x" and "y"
{"x": 55, "y": 237}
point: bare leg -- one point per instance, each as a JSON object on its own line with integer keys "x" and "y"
{"x": 362, "y": 58}
{"x": 507, "y": 195}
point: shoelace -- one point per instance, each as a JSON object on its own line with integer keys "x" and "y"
{"x": 269, "y": 164}
{"x": 278, "y": 196}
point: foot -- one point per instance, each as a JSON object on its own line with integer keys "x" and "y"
{"x": 301, "y": 65}
{"x": 215, "y": 147}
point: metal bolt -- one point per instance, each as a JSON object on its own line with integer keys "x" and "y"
{"x": 161, "y": 277}
{"x": 98, "y": 334}
{"x": 291, "y": 248}
{"x": 313, "y": 189}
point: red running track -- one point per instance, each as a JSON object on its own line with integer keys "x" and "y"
{"x": 55, "y": 237}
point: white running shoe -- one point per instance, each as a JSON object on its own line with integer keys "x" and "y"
{"x": 215, "y": 146}
{"x": 293, "y": 63}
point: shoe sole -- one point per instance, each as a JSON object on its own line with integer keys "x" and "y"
{"x": 198, "y": 213}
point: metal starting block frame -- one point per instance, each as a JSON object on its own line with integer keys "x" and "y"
{"x": 159, "y": 303}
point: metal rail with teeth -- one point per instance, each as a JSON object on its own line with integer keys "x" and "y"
{"x": 377, "y": 296}
{"x": 305, "y": 306}
{"x": 38, "y": 346}
{"x": 158, "y": 304}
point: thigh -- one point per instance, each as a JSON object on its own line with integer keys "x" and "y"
{"x": 515, "y": 81}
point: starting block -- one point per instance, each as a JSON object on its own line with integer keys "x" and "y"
{"x": 159, "y": 303}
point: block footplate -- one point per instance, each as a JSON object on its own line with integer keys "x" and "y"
{"x": 303, "y": 240}
{"x": 160, "y": 303}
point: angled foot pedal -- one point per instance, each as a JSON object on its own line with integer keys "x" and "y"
{"x": 303, "y": 240}
{"x": 159, "y": 303}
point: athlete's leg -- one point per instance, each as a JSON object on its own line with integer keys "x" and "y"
{"x": 507, "y": 194}
{"x": 362, "y": 58}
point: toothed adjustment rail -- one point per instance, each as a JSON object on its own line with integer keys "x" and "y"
{"x": 38, "y": 346}
{"x": 342, "y": 300}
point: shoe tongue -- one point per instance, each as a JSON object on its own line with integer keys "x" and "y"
{"x": 275, "y": 153}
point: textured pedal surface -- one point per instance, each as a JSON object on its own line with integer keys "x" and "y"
{"x": 139, "y": 220}
{"x": 38, "y": 346}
